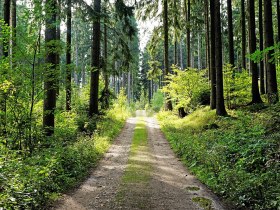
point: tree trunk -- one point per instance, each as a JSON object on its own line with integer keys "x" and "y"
{"x": 189, "y": 34}
{"x": 243, "y": 26}
{"x": 58, "y": 38}
{"x": 262, "y": 86}
{"x": 94, "y": 83}
{"x": 14, "y": 25}
{"x": 49, "y": 76}
{"x": 207, "y": 38}
{"x": 230, "y": 33}
{"x": 256, "y": 98}
{"x": 106, "y": 74}
{"x": 220, "y": 105}
{"x": 7, "y": 5}
{"x": 272, "y": 91}
{"x": 278, "y": 18}
{"x": 68, "y": 57}
{"x": 168, "y": 104}
{"x": 212, "y": 56}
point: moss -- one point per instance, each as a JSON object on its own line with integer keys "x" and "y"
{"x": 204, "y": 203}
{"x": 192, "y": 188}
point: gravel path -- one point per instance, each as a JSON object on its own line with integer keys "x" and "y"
{"x": 171, "y": 186}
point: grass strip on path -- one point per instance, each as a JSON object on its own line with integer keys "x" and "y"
{"x": 134, "y": 184}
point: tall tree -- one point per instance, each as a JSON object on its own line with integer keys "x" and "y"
{"x": 212, "y": 56}
{"x": 230, "y": 32}
{"x": 207, "y": 35}
{"x": 278, "y": 18}
{"x": 220, "y": 104}
{"x": 243, "y": 28}
{"x": 7, "y": 9}
{"x": 168, "y": 104}
{"x": 262, "y": 86}
{"x": 49, "y": 74}
{"x": 14, "y": 25}
{"x": 189, "y": 34}
{"x": 68, "y": 56}
{"x": 272, "y": 91}
{"x": 58, "y": 38}
{"x": 94, "y": 83}
{"x": 256, "y": 98}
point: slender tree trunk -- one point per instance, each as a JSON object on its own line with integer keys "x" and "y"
{"x": 230, "y": 33}
{"x": 256, "y": 98}
{"x": 212, "y": 56}
{"x": 58, "y": 38}
{"x": 94, "y": 83}
{"x": 168, "y": 104}
{"x": 272, "y": 91}
{"x": 189, "y": 34}
{"x": 181, "y": 56}
{"x": 106, "y": 74}
{"x": 7, "y": 5}
{"x": 207, "y": 37}
{"x": 49, "y": 77}
{"x": 220, "y": 105}
{"x": 68, "y": 57}
{"x": 14, "y": 25}
{"x": 262, "y": 86}
{"x": 278, "y": 18}
{"x": 243, "y": 26}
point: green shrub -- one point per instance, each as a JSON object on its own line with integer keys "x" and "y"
{"x": 187, "y": 88}
{"x": 234, "y": 156}
{"x": 157, "y": 101}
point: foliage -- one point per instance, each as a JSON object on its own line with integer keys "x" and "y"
{"x": 186, "y": 88}
{"x": 237, "y": 87}
{"x": 29, "y": 182}
{"x": 157, "y": 101}
{"x": 237, "y": 157}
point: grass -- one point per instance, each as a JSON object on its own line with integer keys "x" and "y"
{"x": 192, "y": 188}
{"x": 31, "y": 182}
{"x": 138, "y": 172}
{"x": 236, "y": 156}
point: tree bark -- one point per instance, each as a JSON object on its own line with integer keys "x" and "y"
{"x": 49, "y": 76}
{"x": 220, "y": 105}
{"x": 14, "y": 25}
{"x": 207, "y": 37}
{"x": 189, "y": 34}
{"x": 278, "y": 18}
{"x": 58, "y": 38}
{"x": 243, "y": 26}
{"x": 256, "y": 98}
{"x": 7, "y": 9}
{"x": 272, "y": 91}
{"x": 68, "y": 57}
{"x": 94, "y": 83}
{"x": 230, "y": 33}
{"x": 262, "y": 86}
{"x": 168, "y": 104}
{"x": 212, "y": 57}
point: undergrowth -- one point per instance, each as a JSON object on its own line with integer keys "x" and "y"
{"x": 236, "y": 156}
{"x": 29, "y": 182}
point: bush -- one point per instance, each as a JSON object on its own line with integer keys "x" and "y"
{"x": 235, "y": 156}
{"x": 157, "y": 101}
{"x": 187, "y": 88}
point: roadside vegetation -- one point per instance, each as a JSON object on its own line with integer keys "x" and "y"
{"x": 30, "y": 181}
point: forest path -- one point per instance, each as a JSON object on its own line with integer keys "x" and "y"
{"x": 151, "y": 177}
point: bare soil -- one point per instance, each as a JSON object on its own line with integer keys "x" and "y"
{"x": 170, "y": 186}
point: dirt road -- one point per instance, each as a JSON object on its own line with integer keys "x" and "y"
{"x": 168, "y": 186}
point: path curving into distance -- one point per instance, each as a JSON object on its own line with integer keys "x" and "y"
{"x": 140, "y": 171}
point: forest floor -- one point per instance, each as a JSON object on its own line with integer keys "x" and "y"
{"x": 140, "y": 171}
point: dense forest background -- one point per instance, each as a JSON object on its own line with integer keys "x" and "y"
{"x": 71, "y": 72}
